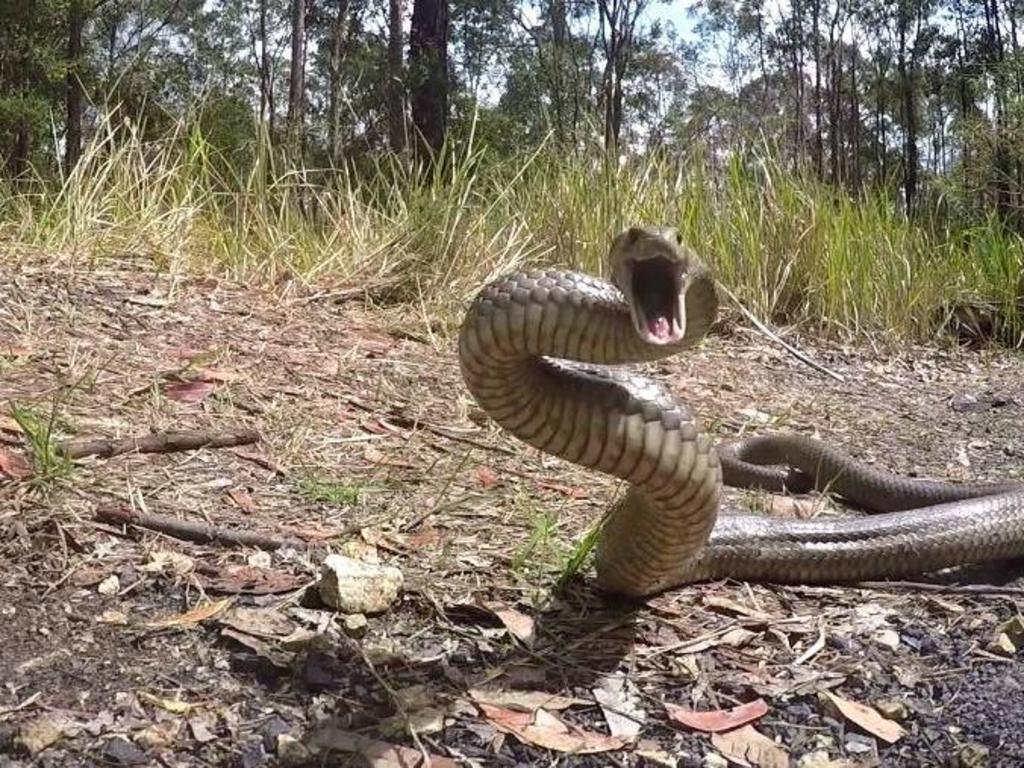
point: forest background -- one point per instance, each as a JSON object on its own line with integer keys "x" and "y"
{"x": 853, "y": 167}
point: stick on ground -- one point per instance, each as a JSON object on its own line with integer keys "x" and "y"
{"x": 160, "y": 442}
{"x": 778, "y": 339}
{"x": 201, "y": 533}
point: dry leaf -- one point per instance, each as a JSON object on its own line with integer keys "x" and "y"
{"x": 165, "y": 560}
{"x": 425, "y": 537}
{"x": 572, "y": 491}
{"x": 791, "y": 508}
{"x": 820, "y": 759}
{"x": 174, "y": 706}
{"x": 748, "y": 746}
{"x": 218, "y": 375}
{"x": 519, "y": 624}
{"x": 378, "y": 457}
{"x": 621, "y": 707}
{"x": 250, "y": 580}
{"x": 188, "y": 391}
{"x": 14, "y": 466}
{"x": 732, "y": 606}
{"x": 7, "y": 424}
{"x": 485, "y": 477}
{"x": 378, "y": 754}
{"x": 243, "y": 500}
{"x": 523, "y": 701}
{"x": 196, "y": 615}
{"x": 543, "y": 729}
{"x": 868, "y": 719}
{"x": 715, "y": 721}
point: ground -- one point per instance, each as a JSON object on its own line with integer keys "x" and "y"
{"x": 369, "y": 441}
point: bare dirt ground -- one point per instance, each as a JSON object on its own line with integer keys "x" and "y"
{"x": 120, "y": 645}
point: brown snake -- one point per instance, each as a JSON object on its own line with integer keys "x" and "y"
{"x": 534, "y": 347}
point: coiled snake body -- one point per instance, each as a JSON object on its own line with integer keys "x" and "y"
{"x": 533, "y": 349}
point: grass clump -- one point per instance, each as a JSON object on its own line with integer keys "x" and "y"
{"x": 791, "y": 249}
{"x": 330, "y": 491}
{"x": 49, "y": 463}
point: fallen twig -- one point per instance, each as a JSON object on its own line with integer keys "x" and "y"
{"x": 801, "y": 356}
{"x": 160, "y": 442}
{"x": 956, "y": 589}
{"x": 202, "y": 533}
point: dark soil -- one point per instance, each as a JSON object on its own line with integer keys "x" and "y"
{"x": 370, "y": 441}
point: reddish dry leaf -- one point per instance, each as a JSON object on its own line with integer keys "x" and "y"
{"x": 485, "y": 477}
{"x": 522, "y": 701}
{"x": 572, "y": 491}
{"x": 379, "y": 754}
{"x": 378, "y": 457}
{"x": 425, "y": 537}
{"x": 748, "y": 746}
{"x": 188, "y": 391}
{"x": 7, "y": 424}
{"x": 196, "y": 615}
{"x": 243, "y": 500}
{"x": 543, "y": 729}
{"x": 13, "y": 351}
{"x": 868, "y": 718}
{"x": 718, "y": 720}
{"x": 217, "y": 375}
{"x": 250, "y": 580}
{"x": 382, "y": 427}
{"x": 519, "y": 624}
{"x": 14, "y": 466}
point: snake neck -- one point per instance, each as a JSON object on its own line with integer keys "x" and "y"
{"x": 533, "y": 350}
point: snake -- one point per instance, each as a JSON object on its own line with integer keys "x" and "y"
{"x": 550, "y": 356}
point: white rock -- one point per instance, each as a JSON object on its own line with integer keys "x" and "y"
{"x": 354, "y": 586}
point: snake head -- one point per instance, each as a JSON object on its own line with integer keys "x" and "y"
{"x": 654, "y": 270}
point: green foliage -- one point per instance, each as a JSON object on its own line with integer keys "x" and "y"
{"x": 330, "y": 491}
{"x": 791, "y": 248}
{"x": 48, "y": 462}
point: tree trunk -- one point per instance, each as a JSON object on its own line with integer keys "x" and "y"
{"x": 428, "y": 74}
{"x": 854, "y": 132}
{"x": 819, "y": 164}
{"x": 297, "y": 78}
{"x": 73, "y": 82}
{"x": 559, "y": 62}
{"x": 335, "y": 60}
{"x": 396, "y": 77}
{"x": 910, "y": 154}
{"x": 266, "y": 73}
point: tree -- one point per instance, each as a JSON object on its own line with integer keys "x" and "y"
{"x": 297, "y": 77}
{"x": 428, "y": 73}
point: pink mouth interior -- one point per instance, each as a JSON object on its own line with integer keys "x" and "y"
{"x": 659, "y": 327}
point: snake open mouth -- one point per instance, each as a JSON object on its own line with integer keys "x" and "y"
{"x": 657, "y": 301}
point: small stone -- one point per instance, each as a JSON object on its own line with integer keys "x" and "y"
{"x": 894, "y": 709}
{"x": 109, "y": 586}
{"x": 353, "y": 586}
{"x": 354, "y": 624}
{"x": 890, "y": 638}
{"x": 715, "y": 760}
{"x": 973, "y": 755}
{"x": 43, "y": 732}
{"x": 122, "y": 752}
{"x": 271, "y": 729}
{"x": 820, "y": 759}
{"x": 859, "y": 745}
{"x": 291, "y": 752}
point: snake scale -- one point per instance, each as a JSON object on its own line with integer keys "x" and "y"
{"x": 536, "y": 349}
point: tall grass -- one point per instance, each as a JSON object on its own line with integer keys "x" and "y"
{"x": 791, "y": 249}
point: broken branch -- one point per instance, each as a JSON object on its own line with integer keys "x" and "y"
{"x": 160, "y": 442}
{"x": 201, "y": 533}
